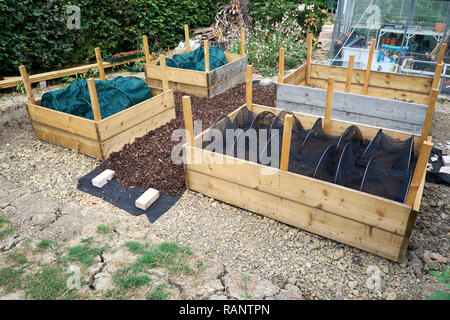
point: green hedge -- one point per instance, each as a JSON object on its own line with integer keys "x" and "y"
{"x": 35, "y": 33}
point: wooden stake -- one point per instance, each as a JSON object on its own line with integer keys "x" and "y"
{"x": 348, "y": 81}
{"x": 146, "y": 49}
{"x": 94, "y": 99}
{"x": 242, "y": 42}
{"x": 286, "y": 144}
{"x": 429, "y": 116}
{"x": 441, "y": 53}
{"x": 328, "y": 106}
{"x": 188, "y": 124}
{"x": 369, "y": 67}
{"x": 249, "y": 87}
{"x": 419, "y": 171}
{"x": 281, "y": 66}
{"x": 162, "y": 63}
{"x": 308, "y": 58}
{"x": 27, "y": 84}
{"x": 206, "y": 49}
{"x": 186, "y": 38}
{"x": 101, "y": 70}
{"x": 437, "y": 76}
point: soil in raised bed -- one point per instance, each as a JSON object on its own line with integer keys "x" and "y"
{"x": 147, "y": 161}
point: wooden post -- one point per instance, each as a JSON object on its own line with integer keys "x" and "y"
{"x": 437, "y": 76}
{"x": 369, "y": 68}
{"x": 242, "y": 42}
{"x": 286, "y": 144}
{"x": 249, "y": 87}
{"x": 206, "y": 49}
{"x": 146, "y": 49}
{"x": 281, "y": 66}
{"x": 27, "y": 84}
{"x": 348, "y": 81}
{"x": 186, "y": 38}
{"x": 429, "y": 116}
{"x": 162, "y": 63}
{"x": 441, "y": 53}
{"x": 308, "y": 58}
{"x": 101, "y": 70}
{"x": 94, "y": 99}
{"x": 188, "y": 123}
{"x": 328, "y": 106}
{"x": 419, "y": 171}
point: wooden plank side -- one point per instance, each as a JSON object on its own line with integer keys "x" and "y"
{"x": 386, "y": 93}
{"x": 128, "y": 118}
{"x": 68, "y": 140}
{"x": 232, "y": 56}
{"x": 63, "y": 121}
{"x": 297, "y": 76}
{"x": 308, "y": 218}
{"x": 116, "y": 142}
{"x": 403, "y": 82}
{"x": 348, "y": 203}
{"x": 226, "y": 84}
{"x": 224, "y": 72}
{"x": 177, "y": 75}
{"x": 181, "y": 87}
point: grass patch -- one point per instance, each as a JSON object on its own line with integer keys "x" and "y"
{"x": 136, "y": 247}
{"x": 85, "y": 253}
{"x": 17, "y": 257}
{"x": 11, "y": 278}
{"x": 45, "y": 244}
{"x": 159, "y": 293}
{"x": 104, "y": 229}
{"x": 127, "y": 279}
{"x": 6, "y": 229}
{"x": 50, "y": 283}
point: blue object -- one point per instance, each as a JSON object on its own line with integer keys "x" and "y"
{"x": 195, "y": 60}
{"x": 113, "y": 96}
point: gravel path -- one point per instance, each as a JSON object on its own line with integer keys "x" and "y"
{"x": 241, "y": 240}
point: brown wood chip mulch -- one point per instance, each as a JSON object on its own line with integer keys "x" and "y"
{"x": 147, "y": 161}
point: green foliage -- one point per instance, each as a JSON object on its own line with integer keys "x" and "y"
{"x": 127, "y": 279}
{"x": 159, "y": 293}
{"x": 45, "y": 244}
{"x": 35, "y": 33}
{"x": 6, "y": 229}
{"x": 11, "y": 278}
{"x": 17, "y": 257}
{"x": 444, "y": 278}
{"x": 84, "y": 254}
{"x": 104, "y": 229}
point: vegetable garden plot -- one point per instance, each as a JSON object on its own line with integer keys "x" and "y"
{"x": 99, "y": 137}
{"x": 317, "y": 199}
{"x": 208, "y": 83}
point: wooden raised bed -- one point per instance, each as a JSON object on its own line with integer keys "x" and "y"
{"x": 364, "y": 82}
{"x": 99, "y": 137}
{"x": 371, "y": 223}
{"x": 203, "y": 83}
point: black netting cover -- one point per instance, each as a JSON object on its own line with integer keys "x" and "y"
{"x": 243, "y": 119}
{"x": 390, "y": 184}
{"x": 218, "y": 130}
{"x": 350, "y": 171}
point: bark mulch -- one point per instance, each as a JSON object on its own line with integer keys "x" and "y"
{"x": 147, "y": 161}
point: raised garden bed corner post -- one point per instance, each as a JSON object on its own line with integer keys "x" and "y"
{"x": 242, "y": 42}
{"x": 368, "y": 68}
{"x": 206, "y": 51}
{"x": 286, "y": 143}
{"x": 348, "y": 80}
{"x": 162, "y": 63}
{"x": 281, "y": 66}
{"x": 441, "y": 53}
{"x": 308, "y": 58}
{"x": 27, "y": 84}
{"x": 94, "y": 99}
{"x": 437, "y": 76}
{"x": 248, "y": 87}
{"x": 189, "y": 128}
{"x": 101, "y": 70}
{"x": 186, "y": 38}
{"x": 429, "y": 116}
{"x": 328, "y": 106}
{"x": 146, "y": 49}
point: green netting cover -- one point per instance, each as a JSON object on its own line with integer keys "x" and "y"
{"x": 195, "y": 60}
{"x": 113, "y": 96}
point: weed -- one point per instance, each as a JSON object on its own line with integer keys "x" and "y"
{"x": 127, "y": 279}
{"x": 135, "y": 247}
{"x": 17, "y": 257}
{"x": 50, "y": 283}
{"x": 104, "y": 229}
{"x": 6, "y": 229}
{"x": 444, "y": 278}
{"x": 45, "y": 244}
{"x": 159, "y": 293}
{"x": 11, "y": 278}
{"x": 245, "y": 294}
{"x": 85, "y": 254}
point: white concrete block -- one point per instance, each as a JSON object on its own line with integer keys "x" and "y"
{"x": 103, "y": 178}
{"x": 446, "y": 160}
{"x": 147, "y": 198}
{"x": 444, "y": 170}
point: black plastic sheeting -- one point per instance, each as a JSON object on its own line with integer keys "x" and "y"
{"x": 433, "y": 175}
{"x": 382, "y": 166}
{"x": 124, "y": 198}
